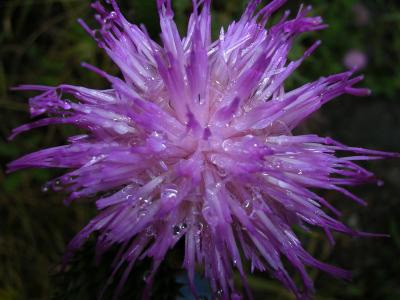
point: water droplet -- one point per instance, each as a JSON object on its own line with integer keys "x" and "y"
{"x": 276, "y": 164}
{"x": 219, "y": 292}
{"x": 142, "y": 212}
{"x": 45, "y": 188}
{"x": 178, "y": 229}
{"x": 163, "y": 165}
{"x": 199, "y": 99}
{"x": 147, "y": 201}
{"x": 112, "y": 15}
{"x": 200, "y": 227}
{"x": 380, "y": 183}
{"x": 246, "y": 204}
{"x": 56, "y": 184}
{"x": 67, "y": 105}
{"x": 169, "y": 193}
{"x": 156, "y": 134}
{"x": 218, "y": 185}
{"x": 144, "y": 203}
{"x": 226, "y": 145}
{"x": 125, "y": 190}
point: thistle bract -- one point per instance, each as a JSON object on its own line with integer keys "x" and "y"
{"x": 193, "y": 142}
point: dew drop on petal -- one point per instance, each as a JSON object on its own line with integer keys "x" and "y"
{"x": 179, "y": 228}
{"x": 142, "y": 212}
{"x": 67, "y": 105}
{"x": 147, "y": 201}
{"x": 199, "y": 227}
{"x": 176, "y": 230}
{"x": 246, "y": 204}
{"x": 170, "y": 192}
{"x": 56, "y": 184}
{"x": 219, "y": 292}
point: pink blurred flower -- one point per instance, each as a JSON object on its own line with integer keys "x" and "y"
{"x": 355, "y": 59}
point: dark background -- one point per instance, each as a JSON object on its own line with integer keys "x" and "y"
{"x": 41, "y": 43}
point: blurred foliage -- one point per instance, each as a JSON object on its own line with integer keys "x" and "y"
{"x": 86, "y": 277}
{"x": 41, "y": 42}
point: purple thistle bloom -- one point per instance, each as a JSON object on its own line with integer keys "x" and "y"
{"x": 194, "y": 142}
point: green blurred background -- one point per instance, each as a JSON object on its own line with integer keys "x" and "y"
{"x": 41, "y": 42}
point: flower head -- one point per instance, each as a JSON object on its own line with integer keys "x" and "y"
{"x": 194, "y": 142}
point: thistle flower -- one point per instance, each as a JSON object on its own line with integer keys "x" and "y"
{"x": 194, "y": 142}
